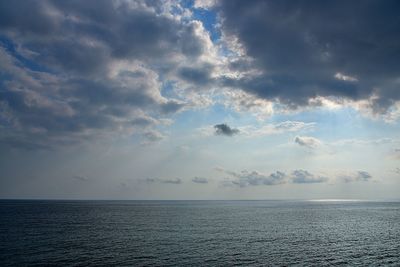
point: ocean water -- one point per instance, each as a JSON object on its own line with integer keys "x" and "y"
{"x": 199, "y": 233}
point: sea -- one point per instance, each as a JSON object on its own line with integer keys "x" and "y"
{"x": 199, "y": 233}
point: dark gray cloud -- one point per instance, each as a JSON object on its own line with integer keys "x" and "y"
{"x": 306, "y": 49}
{"x": 224, "y": 129}
{"x": 200, "y": 180}
{"x": 197, "y": 75}
{"x": 79, "y": 38}
{"x": 305, "y": 177}
{"x": 70, "y": 72}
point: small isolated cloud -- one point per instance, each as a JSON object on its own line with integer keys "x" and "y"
{"x": 359, "y": 176}
{"x": 305, "y": 177}
{"x": 172, "y": 181}
{"x": 224, "y": 129}
{"x": 81, "y": 178}
{"x": 342, "y": 77}
{"x": 152, "y": 136}
{"x": 363, "y": 176}
{"x": 307, "y": 141}
{"x": 163, "y": 181}
{"x": 200, "y": 180}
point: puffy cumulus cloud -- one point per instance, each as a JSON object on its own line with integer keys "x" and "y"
{"x": 253, "y": 178}
{"x": 306, "y": 50}
{"x": 305, "y": 177}
{"x": 359, "y": 176}
{"x": 307, "y": 141}
{"x": 70, "y": 72}
{"x": 200, "y": 180}
{"x": 224, "y": 129}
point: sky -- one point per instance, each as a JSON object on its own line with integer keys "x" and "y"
{"x": 207, "y": 99}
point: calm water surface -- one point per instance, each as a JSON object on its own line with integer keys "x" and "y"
{"x": 199, "y": 233}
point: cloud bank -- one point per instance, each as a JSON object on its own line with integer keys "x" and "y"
{"x": 307, "y": 49}
{"x": 247, "y": 178}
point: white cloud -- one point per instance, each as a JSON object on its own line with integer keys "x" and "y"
{"x": 344, "y": 77}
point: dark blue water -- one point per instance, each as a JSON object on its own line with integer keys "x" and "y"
{"x": 199, "y": 233}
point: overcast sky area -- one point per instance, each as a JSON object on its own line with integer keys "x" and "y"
{"x": 200, "y": 99}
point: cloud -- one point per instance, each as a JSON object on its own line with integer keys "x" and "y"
{"x": 71, "y": 73}
{"x": 397, "y": 170}
{"x": 200, "y": 180}
{"x": 359, "y": 176}
{"x": 196, "y": 75}
{"x": 172, "y": 181}
{"x": 305, "y": 177}
{"x": 295, "y": 60}
{"x": 152, "y": 136}
{"x": 364, "y": 142}
{"x": 254, "y": 178}
{"x": 164, "y": 181}
{"x": 277, "y": 128}
{"x": 307, "y": 141}
{"x": 363, "y": 176}
{"x": 224, "y": 129}
{"x": 81, "y": 178}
